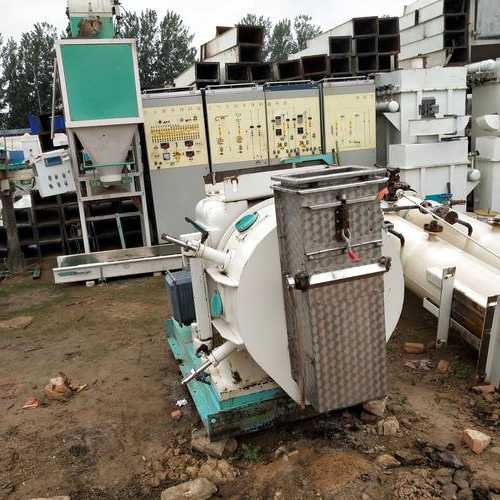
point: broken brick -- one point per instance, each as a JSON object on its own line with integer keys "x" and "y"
{"x": 477, "y": 441}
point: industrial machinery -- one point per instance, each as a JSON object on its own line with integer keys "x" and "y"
{"x": 484, "y": 78}
{"x": 349, "y": 121}
{"x": 236, "y": 117}
{"x": 308, "y": 279}
{"x": 421, "y": 130}
{"x": 177, "y": 152}
{"x": 452, "y": 262}
{"x": 293, "y": 120}
{"x": 102, "y": 107}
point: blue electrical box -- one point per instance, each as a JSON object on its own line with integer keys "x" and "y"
{"x": 180, "y": 296}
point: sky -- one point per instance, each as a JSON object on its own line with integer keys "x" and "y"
{"x": 201, "y": 16}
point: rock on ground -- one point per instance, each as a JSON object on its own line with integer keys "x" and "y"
{"x": 18, "y": 323}
{"x": 218, "y": 471}
{"x": 197, "y": 489}
{"x": 376, "y": 407}
{"x": 217, "y": 449}
{"x": 52, "y": 498}
{"x": 388, "y": 427}
{"x": 387, "y": 461}
{"x": 477, "y": 441}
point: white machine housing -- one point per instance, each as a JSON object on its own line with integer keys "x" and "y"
{"x": 53, "y": 173}
{"x": 485, "y": 132}
{"x": 430, "y": 148}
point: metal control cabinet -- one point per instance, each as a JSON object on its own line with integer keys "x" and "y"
{"x": 174, "y": 129}
{"x": 293, "y": 120}
{"x": 334, "y": 303}
{"x": 236, "y": 118}
{"x": 349, "y": 119}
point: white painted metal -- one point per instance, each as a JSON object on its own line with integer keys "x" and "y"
{"x": 484, "y": 243}
{"x": 82, "y": 8}
{"x": 117, "y": 268}
{"x": 421, "y": 146}
{"x": 54, "y": 178}
{"x": 424, "y": 256}
{"x": 447, "y": 286}
{"x": 30, "y": 145}
{"x": 107, "y": 145}
{"x": 493, "y": 361}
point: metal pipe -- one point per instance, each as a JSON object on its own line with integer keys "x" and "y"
{"x": 198, "y": 249}
{"x": 467, "y": 225}
{"x": 482, "y": 66}
{"x": 213, "y": 359}
{"x": 387, "y": 107}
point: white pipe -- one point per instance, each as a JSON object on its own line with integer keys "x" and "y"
{"x": 483, "y": 66}
{"x": 423, "y": 253}
{"x": 387, "y": 107}
{"x": 484, "y": 243}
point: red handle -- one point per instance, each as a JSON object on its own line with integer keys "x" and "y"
{"x": 353, "y": 256}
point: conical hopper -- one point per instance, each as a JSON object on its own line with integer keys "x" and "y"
{"x": 107, "y": 145}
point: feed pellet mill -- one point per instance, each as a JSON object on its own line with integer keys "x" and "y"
{"x": 294, "y": 297}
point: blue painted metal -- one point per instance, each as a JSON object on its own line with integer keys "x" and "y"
{"x": 239, "y": 415}
{"x": 216, "y": 306}
{"x": 327, "y": 159}
{"x": 246, "y": 222}
{"x": 439, "y": 198}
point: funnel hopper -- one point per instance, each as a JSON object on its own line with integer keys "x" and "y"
{"x": 107, "y": 145}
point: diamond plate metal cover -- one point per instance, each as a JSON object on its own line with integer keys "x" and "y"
{"x": 336, "y": 332}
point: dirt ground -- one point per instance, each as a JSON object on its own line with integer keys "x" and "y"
{"x": 117, "y": 440}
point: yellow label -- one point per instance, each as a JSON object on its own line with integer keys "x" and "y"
{"x": 294, "y": 127}
{"x": 350, "y": 122}
{"x": 175, "y": 136}
{"x": 237, "y": 131}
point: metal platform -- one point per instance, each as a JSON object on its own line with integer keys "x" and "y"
{"x": 116, "y": 263}
{"x": 236, "y": 416}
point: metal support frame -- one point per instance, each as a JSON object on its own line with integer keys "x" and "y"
{"x": 138, "y": 190}
{"x": 489, "y": 338}
{"x": 492, "y": 371}
{"x": 446, "y": 300}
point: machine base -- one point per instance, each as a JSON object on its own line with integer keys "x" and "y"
{"x": 236, "y": 416}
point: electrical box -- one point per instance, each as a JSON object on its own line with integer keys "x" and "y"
{"x": 176, "y": 146}
{"x": 293, "y": 121}
{"x": 174, "y": 126}
{"x": 236, "y": 118}
{"x": 53, "y": 173}
{"x": 350, "y": 120}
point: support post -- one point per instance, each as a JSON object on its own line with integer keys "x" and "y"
{"x": 447, "y": 287}
{"x": 15, "y": 257}
{"x": 493, "y": 357}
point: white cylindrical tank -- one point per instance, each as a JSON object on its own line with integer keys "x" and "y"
{"x": 423, "y": 252}
{"x": 484, "y": 236}
{"x": 251, "y": 293}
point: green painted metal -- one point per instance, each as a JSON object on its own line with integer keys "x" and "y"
{"x": 327, "y": 159}
{"x": 240, "y": 415}
{"x": 107, "y": 30}
{"x": 100, "y": 81}
{"x": 246, "y": 222}
{"x": 216, "y": 306}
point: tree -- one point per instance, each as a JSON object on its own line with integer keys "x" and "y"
{"x": 164, "y": 48}
{"x": 145, "y": 29}
{"x": 304, "y": 30}
{"x": 253, "y": 20}
{"x": 176, "y": 52}
{"x": 27, "y": 74}
{"x": 282, "y": 42}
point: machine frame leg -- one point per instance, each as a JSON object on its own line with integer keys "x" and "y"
{"x": 444, "y": 318}
{"x": 489, "y": 352}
